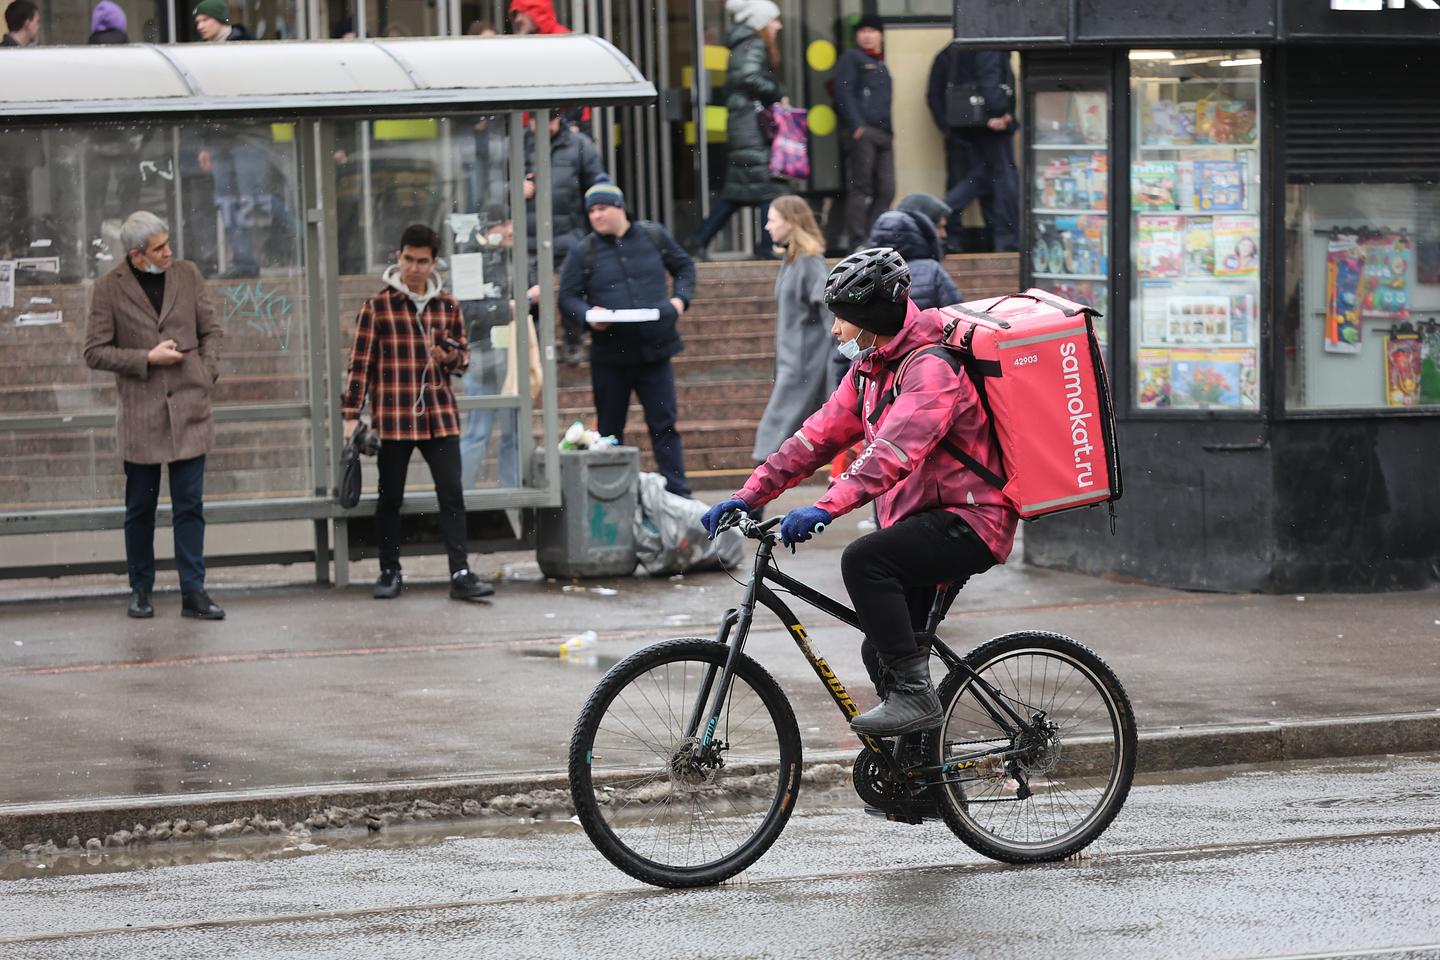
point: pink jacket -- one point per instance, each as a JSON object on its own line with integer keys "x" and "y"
{"x": 902, "y": 465}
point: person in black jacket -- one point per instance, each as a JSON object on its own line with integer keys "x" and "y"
{"x": 980, "y": 161}
{"x": 623, "y": 266}
{"x": 862, "y": 99}
{"x": 574, "y": 168}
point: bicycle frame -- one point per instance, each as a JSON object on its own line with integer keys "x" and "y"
{"x": 735, "y": 629}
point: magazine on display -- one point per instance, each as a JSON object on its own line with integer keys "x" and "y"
{"x": 1152, "y": 185}
{"x": 1199, "y": 247}
{"x": 1219, "y": 186}
{"x": 1160, "y": 252}
{"x": 1213, "y": 378}
{"x": 1237, "y": 246}
{"x": 1152, "y": 379}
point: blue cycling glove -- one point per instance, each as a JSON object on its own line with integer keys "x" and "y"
{"x": 711, "y": 520}
{"x": 802, "y": 523}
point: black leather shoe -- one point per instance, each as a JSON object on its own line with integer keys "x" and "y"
{"x": 198, "y": 605}
{"x": 466, "y": 586}
{"x": 140, "y": 607}
{"x": 389, "y": 585}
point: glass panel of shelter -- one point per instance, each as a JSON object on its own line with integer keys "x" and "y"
{"x": 450, "y": 173}
{"x": 228, "y": 192}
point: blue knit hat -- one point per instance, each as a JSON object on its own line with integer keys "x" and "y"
{"x": 606, "y": 193}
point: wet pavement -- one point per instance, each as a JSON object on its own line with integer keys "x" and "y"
{"x": 305, "y": 685}
{"x": 1321, "y": 859}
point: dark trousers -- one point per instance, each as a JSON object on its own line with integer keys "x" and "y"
{"x": 442, "y": 454}
{"x": 721, "y": 210}
{"x": 892, "y": 574}
{"x": 869, "y": 180}
{"x": 991, "y": 168}
{"x": 187, "y": 512}
{"x": 654, "y": 384}
{"x": 957, "y": 166}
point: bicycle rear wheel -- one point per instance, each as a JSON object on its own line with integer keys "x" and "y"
{"x": 1077, "y": 760}
{"x": 658, "y": 805}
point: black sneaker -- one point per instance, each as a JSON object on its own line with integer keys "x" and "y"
{"x": 466, "y": 586}
{"x": 389, "y": 585}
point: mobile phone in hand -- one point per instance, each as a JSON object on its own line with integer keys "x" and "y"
{"x": 452, "y": 343}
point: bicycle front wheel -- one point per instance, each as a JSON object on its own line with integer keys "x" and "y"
{"x": 1062, "y": 778}
{"x": 657, "y": 803}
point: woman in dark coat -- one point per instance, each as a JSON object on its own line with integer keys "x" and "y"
{"x": 750, "y": 85}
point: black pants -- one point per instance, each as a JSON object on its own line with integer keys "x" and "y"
{"x": 654, "y": 384}
{"x": 721, "y": 210}
{"x": 992, "y": 169}
{"x": 869, "y": 180}
{"x": 442, "y": 454}
{"x": 957, "y": 167}
{"x": 187, "y": 520}
{"x": 892, "y": 574}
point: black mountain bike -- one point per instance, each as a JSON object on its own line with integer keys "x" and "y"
{"x": 685, "y": 761}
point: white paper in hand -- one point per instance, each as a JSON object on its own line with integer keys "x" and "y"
{"x": 641, "y": 315}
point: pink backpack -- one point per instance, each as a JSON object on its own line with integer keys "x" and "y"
{"x": 790, "y": 150}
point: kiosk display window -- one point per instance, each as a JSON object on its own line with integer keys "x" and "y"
{"x": 1362, "y": 307}
{"x": 1196, "y": 241}
{"x": 1070, "y": 207}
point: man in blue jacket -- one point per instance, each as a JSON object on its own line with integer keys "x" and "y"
{"x": 862, "y": 99}
{"x": 980, "y": 160}
{"x": 627, "y": 266}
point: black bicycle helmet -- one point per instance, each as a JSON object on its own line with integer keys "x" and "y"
{"x": 871, "y": 290}
{"x": 876, "y": 273}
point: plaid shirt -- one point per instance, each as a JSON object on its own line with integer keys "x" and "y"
{"x": 390, "y": 359}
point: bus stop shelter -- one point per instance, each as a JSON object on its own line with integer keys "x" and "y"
{"x": 287, "y": 171}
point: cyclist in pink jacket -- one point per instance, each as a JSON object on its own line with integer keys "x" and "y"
{"x": 941, "y": 520}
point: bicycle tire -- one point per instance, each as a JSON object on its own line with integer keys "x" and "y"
{"x": 645, "y": 780}
{"x": 1070, "y": 805}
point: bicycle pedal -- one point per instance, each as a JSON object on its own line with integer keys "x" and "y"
{"x": 896, "y": 815}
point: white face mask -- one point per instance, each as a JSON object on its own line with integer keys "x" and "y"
{"x": 851, "y": 350}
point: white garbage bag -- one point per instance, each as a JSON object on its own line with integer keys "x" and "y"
{"x": 669, "y": 538}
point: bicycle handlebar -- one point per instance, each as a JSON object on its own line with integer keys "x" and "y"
{"x": 753, "y": 529}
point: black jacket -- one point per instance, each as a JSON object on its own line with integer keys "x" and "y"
{"x": 113, "y": 35}
{"x": 749, "y": 80}
{"x": 574, "y": 168}
{"x": 625, "y": 273}
{"x": 914, "y": 237}
{"x": 989, "y": 70}
{"x": 862, "y": 91}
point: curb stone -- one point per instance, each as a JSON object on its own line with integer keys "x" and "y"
{"x": 114, "y": 820}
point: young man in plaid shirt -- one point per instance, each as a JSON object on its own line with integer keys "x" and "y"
{"x": 409, "y": 342}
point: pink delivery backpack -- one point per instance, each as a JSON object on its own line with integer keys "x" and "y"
{"x": 1038, "y": 367}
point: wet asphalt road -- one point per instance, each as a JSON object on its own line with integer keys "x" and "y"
{"x": 1323, "y": 860}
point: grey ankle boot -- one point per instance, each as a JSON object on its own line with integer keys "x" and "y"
{"x": 910, "y": 704}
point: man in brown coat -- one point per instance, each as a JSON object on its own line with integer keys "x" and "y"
{"x": 152, "y": 324}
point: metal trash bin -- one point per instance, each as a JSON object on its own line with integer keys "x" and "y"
{"x": 592, "y": 533}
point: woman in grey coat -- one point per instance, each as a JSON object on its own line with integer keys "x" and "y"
{"x": 803, "y": 344}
